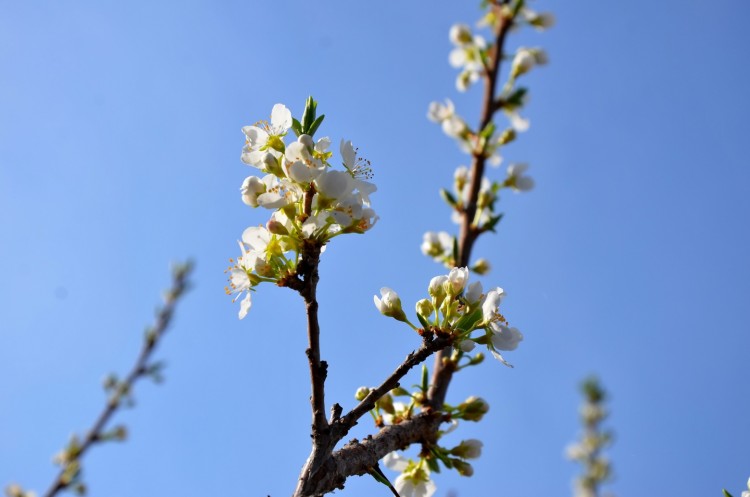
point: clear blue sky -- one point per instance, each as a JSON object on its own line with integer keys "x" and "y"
{"x": 120, "y": 142}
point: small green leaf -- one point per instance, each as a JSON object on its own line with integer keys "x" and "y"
{"x": 515, "y": 99}
{"x": 433, "y": 465}
{"x": 468, "y": 321}
{"x": 296, "y": 127}
{"x": 455, "y": 251}
{"x": 490, "y": 225}
{"x": 308, "y": 116}
{"x": 448, "y": 197}
{"x": 423, "y": 322}
{"x": 726, "y": 494}
{"x": 488, "y": 130}
{"x": 314, "y": 127}
{"x": 425, "y": 379}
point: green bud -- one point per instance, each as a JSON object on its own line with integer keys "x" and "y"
{"x": 424, "y": 308}
{"x": 361, "y": 393}
{"x": 507, "y": 136}
{"x": 481, "y": 267}
{"x": 386, "y": 403}
{"x": 463, "y": 468}
{"x": 473, "y": 409}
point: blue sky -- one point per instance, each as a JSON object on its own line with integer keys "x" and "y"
{"x": 120, "y": 143}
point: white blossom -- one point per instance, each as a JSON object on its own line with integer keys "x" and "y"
{"x": 437, "y": 245}
{"x": 457, "y": 279}
{"x": 389, "y": 304}
{"x": 258, "y": 140}
{"x": 516, "y": 179}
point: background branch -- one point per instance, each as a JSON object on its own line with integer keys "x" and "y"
{"x": 72, "y": 455}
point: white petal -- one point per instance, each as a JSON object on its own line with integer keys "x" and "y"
{"x": 394, "y": 461}
{"x": 348, "y": 154}
{"x": 281, "y": 118}
{"x": 245, "y": 305}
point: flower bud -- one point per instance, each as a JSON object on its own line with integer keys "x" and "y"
{"x": 460, "y": 178}
{"x": 307, "y": 141}
{"x": 437, "y": 289}
{"x": 507, "y": 136}
{"x": 361, "y": 393}
{"x": 424, "y": 308}
{"x": 463, "y": 468}
{"x": 460, "y": 34}
{"x": 250, "y": 189}
{"x": 468, "y": 449}
{"x": 456, "y": 281}
{"x": 523, "y": 61}
{"x": 473, "y": 408}
{"x": 389, "y": 304}
{"x": 481, "y": 267}
{"x": 275, "y": 227}
{"x": 467, "y": 345}
{"x": 386, "y": 403}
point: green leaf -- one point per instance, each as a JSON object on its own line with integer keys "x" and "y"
{"x": 308, "y": 116}
{"x": 726, "y": 494}
{"x": 455, "y": 251}
{"x": 515, "y": 99}
{"x": 311, "y": 131}
{"x": 433, "y": 464}
{"x": 490, "y": 225}
{"x": 448, "y": 197}
{"x": 377, "y": 473}
{"x": 296, "y": 127}
{"x": 488, "y": 130}
{"x": 425, "y": 379}
{"x": 423, "y": 322}
{"x": 468, "y": 321}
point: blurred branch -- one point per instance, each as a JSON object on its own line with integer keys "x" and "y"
{"x": 70, "y": 457}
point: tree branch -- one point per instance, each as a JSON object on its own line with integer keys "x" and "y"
{"x": 96, "y": 433}
{"x": 430, "y": 345}
{"x": 443, "y": 368}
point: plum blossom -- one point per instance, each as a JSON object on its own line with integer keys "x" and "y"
{"x": 456, "y": 281}
{"x": 539, "y": 20}
{"x": 516, "y": 179}
{"x": 414, "y": 480}
{"x": 437, "y": 245}
{"x": 501, "y": 336}
{"x": 389, "y": 304}
{"x": 468, "y": 55}
{"x": 240, "y": 281}
{"x": 300, "y": 164}
{"x": 266, "y": 138}
{"x": 525, "y": 60}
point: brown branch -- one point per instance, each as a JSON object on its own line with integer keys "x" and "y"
{"x": 164, "y": 316}
{"x": 430, "y": 345}
{"x": 444, "y": 367}
{"x": 357, "y": 457}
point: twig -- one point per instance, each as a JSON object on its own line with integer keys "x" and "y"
{"x": 154, "y": 334}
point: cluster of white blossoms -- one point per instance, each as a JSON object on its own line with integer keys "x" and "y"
{"x": 461, "y": 310}
{"x": 311, "y": 201}
{"x": 469, "y": 55}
